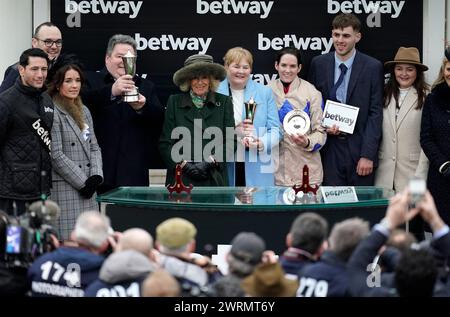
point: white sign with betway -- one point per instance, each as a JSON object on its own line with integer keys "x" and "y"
{"x": 339, "y": 114}
{"x": 338, "y": 194}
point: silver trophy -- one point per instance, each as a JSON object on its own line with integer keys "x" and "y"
{"x": 129, "y": 63}
{"x": 296, "y": 122}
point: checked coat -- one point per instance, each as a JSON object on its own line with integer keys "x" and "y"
{"x": 74, "y": 159}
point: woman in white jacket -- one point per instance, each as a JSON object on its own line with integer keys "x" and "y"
{"x": 400, "y": 155}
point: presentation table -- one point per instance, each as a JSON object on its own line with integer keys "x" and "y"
{"x": 219, "y": 213}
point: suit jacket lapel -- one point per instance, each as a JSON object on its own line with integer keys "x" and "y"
{"x": 357, "y": 68}
{"x": 188, "y": 106}
{"x": 409, "y": 102}
{"x": 208, "y": 109}
{"x": 391, "y": 116}
{"x": 330, "y": 72}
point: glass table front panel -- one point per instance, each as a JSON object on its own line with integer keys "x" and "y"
{"x": 239, "y": 197}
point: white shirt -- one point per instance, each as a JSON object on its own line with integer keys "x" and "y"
{"x": 238, "y": 104}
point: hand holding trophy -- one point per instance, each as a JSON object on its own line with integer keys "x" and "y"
{"x": 129, "y": 63}
{"x": 250, "y": 109}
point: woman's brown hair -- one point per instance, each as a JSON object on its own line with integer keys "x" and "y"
{"x": 392, "y": 88}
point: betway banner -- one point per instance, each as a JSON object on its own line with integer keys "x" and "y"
{"x": 168, "y": 31}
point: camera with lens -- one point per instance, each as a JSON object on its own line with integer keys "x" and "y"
{"x": 29, "y": 236}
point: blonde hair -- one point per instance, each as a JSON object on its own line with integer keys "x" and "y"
{"x": 441, "y": 78}
{"x": 213, "y": 84}
{"x": 237, "y": 54}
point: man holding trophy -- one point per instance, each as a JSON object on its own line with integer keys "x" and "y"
{"x": 127, "y": 116}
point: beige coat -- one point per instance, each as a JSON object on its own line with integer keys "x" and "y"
{"x": 400, "y": 155}
{"x": 293, "y": 157}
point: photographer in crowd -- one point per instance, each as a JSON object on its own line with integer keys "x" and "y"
{"x": 306, "y": 241}
{"x": 175, "y": 240}
{"x": 22, "y": 240}
{"x": 247, "y": 251}
{"x": 13, "y": 280}
{"x": 417, "y": 272}
{"x": 329, "y": 276}
{"x": 67, "y": 271}
{"x": 123, "y": 272}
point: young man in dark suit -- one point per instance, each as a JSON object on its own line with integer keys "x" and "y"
{"x": 351, "y": 77}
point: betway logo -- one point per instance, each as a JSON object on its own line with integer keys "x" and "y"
{"x": 235, "y": 7}
{"x": 321, "y": 44}
{"x": 363, "y": 6}
{"x": 264, "y": 79}
{"x": 105, "y": 7}
{"x": 44, "y": 134}
{"x": 169, "y": 42}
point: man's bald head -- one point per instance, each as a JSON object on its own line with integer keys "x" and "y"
{"x": 136, "y": 239}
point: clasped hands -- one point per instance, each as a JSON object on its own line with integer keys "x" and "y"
{"x": 90, "y": 186}
{"x": 125, "y": 84}
{"x": 199, "y": 171}
{"x": 245, "y": 130}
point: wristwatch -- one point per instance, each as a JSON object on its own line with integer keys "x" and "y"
{"x": 444, "y": 167}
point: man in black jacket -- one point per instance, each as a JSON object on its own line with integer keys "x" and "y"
{"x": 127, "y": 133}
{"x": 26, "y": 118}
{"x": 415, "y": 273}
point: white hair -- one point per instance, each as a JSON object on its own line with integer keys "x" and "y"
{"x": 92, "y": 228}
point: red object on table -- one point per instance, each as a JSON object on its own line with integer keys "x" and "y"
{"x": 305, "y": 187}
{"x": 179, "y": 186}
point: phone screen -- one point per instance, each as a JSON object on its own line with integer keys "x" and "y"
{"x": 13, "y": 239}
{"x": 417, "y": 189}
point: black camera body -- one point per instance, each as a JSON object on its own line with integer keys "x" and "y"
{"x": 28, "y": 237}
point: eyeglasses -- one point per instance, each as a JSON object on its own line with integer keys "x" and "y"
{"x": 49, "y": 43}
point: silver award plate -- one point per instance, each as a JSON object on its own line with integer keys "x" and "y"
{"x": 296, "y": 122}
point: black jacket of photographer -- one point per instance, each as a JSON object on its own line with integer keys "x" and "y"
{"x": 23, "y": 155}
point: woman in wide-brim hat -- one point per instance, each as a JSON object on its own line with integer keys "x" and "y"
{"x": 199, "y": 108}
{"x": 400, "y": 154}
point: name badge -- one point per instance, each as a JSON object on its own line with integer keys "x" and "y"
{"x": 338, "y": 194}
{"x": 86, "y": 132}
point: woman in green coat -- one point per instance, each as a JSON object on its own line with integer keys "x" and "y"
{"x": 198, "y": 130}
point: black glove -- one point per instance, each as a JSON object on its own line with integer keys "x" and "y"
{"x": 198, "y": 171}
{"x": 90, "y": 186}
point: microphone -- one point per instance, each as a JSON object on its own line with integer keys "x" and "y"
{"x": 46, "y": 211}
{"x": 447, "y": 53}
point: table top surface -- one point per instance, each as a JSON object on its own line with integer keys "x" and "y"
{"x": 241, "y": 197}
